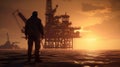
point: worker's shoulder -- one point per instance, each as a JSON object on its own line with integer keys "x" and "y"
{"x": 39, "y": 19}
{"x": 29, "y": 19}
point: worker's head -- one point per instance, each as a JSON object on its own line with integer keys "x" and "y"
{"x": 35, "y": 13}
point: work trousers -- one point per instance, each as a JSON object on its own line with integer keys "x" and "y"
{"x": 32, "y": 40}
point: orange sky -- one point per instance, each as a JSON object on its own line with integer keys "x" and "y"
{"x": 99, "y": 20}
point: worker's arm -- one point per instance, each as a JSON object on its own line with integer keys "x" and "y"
{"x": 41, "y": 28}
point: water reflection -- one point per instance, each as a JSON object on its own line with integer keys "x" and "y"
{"x": 99, "y": 58}
{"x": 86, "y": 66}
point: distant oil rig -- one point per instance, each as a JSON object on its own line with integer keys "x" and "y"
{"x": 58, "y": 30}
{"x": 9, "y": 45}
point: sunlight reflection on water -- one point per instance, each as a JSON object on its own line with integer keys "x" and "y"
{"x": 98, "y": 58}
{"x": 79, "y": 57}
{"x": 86, "y": 66}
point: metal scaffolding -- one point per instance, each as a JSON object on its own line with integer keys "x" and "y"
{"x": 58, "y": 30}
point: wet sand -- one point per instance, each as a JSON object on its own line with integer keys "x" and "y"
{"x": 57, "y": 58}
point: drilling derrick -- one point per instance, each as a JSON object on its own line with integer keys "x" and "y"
{"x": 58, "y": 30}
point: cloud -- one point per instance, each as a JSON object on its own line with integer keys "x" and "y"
{"x": 110, "y": 14}
{"x": 91, "y": 7}
{"x": 108, "y": 28}
{"x": 115, "y": 5}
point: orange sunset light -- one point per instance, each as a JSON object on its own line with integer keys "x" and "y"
{"x": 89, "y": 41}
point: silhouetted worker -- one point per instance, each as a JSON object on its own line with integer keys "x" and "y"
{"x": 34, "y": 31}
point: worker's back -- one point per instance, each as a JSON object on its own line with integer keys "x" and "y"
{"x": 33, "y": 27}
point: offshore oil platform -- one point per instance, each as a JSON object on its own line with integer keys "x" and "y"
{"x": 9, "y": 45}
{"x": 58, "y": 30}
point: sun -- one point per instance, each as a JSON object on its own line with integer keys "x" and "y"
{"x": 89, "y": 41}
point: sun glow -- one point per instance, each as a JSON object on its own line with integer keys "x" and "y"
{"x": 89, "y": 41}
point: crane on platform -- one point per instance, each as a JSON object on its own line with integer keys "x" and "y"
{"x": 24, "y": 19}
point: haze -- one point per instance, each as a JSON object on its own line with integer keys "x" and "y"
{"x": 99, "y": 20}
